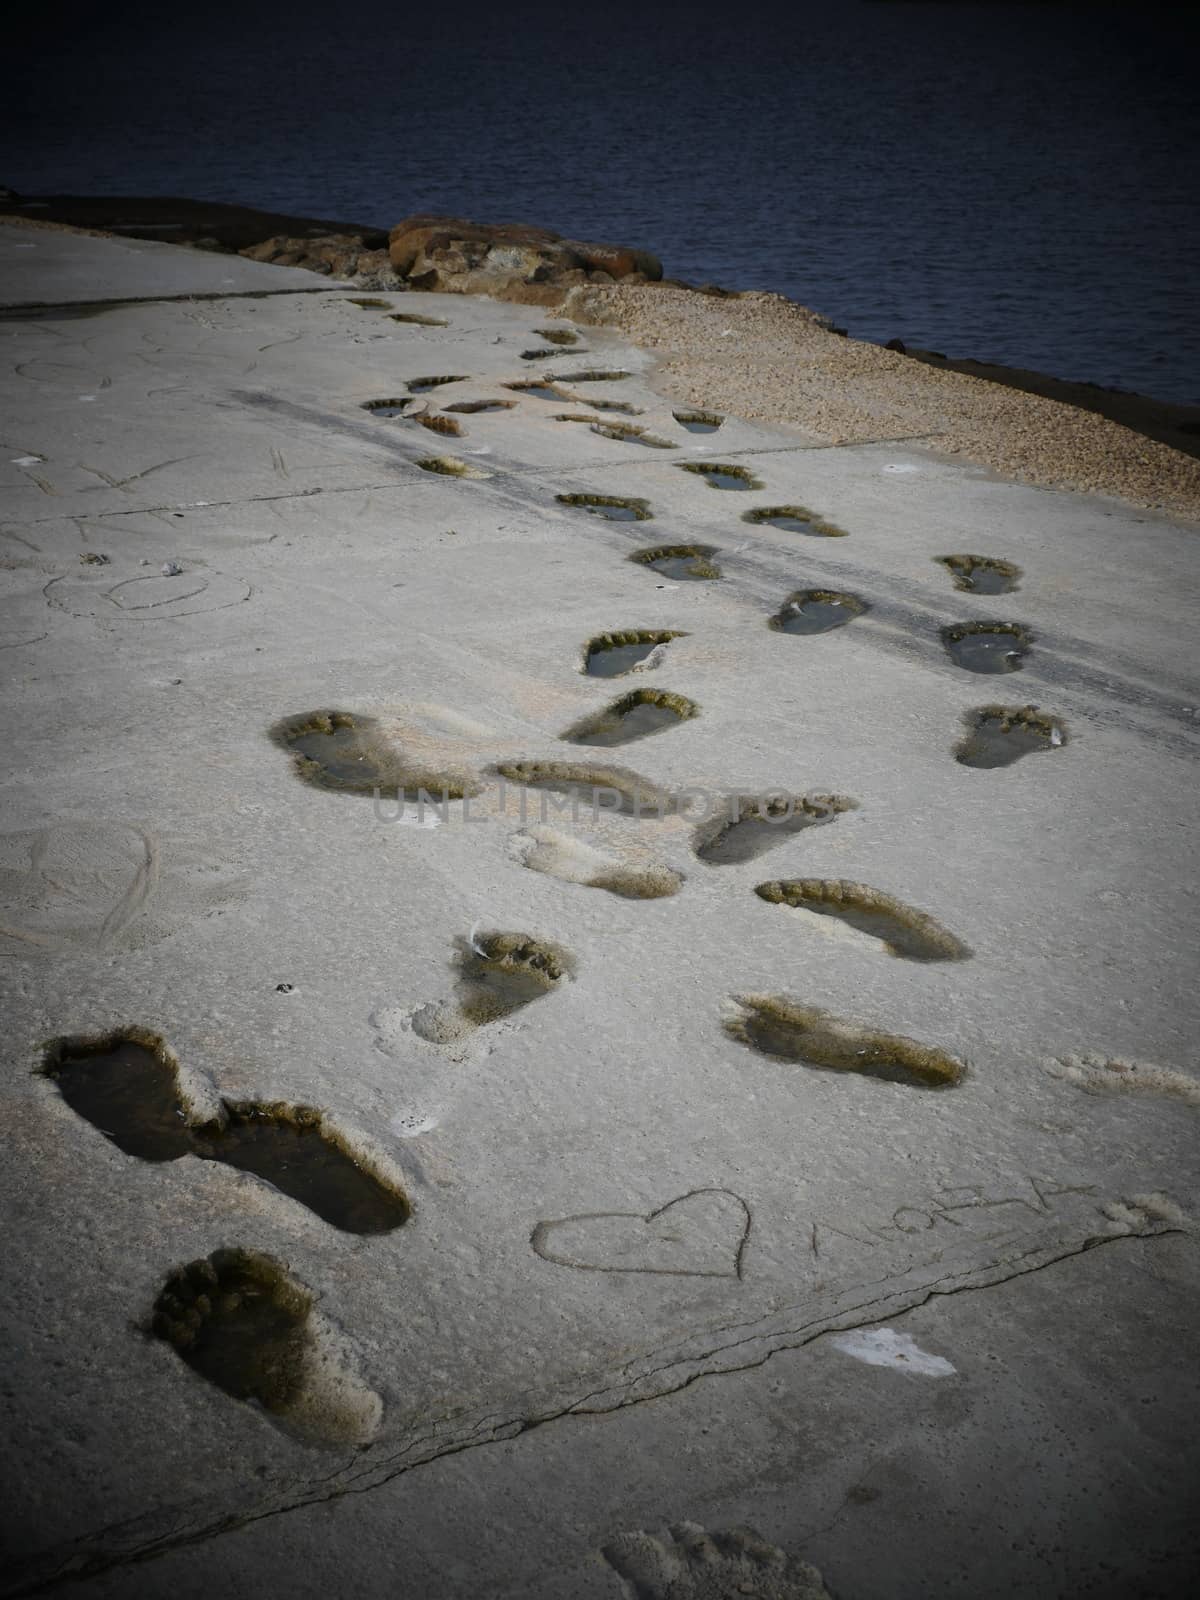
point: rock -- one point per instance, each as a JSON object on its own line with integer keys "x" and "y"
{"x": 513, "y": 260}
{"x": 898, "y": 346}
{"x": 337, "y": 255}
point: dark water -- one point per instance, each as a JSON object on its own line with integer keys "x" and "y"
{"x": 1010, "y": 182}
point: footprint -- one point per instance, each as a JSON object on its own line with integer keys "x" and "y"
{"x": 747, "y": 825}
{"x": 622, "y": 406}
{"x": 987, "y": 646}
{"x": 561, "y": 855}
{"x": 369, "y": 304}
{"x": 700, "y": 1235}
{"x": 610, "y": 655}
{"x": 1095, "y": 1073}
{"x": 614, "y": 508}
{"x": 450, "y": 467}
{"x": 239, "y": 1319}
{"x": 629, "y": 433}
{"x": 781, "y": 1028}
{"x": 636, "y": 715}
{"x": 817, "y": 611}
{"x": 694, "y": 1565}
{"x": 699, "y": 421}
{"x": 591, "y": 376}
{"x": 598, "y": 790}
{"x": 901, "y": 929}
{"x": 722, "y": 475}
{"x": 981, "y": 574}
{"x": 499, "y": 974}
{"x": 547, "y": 353}
{"x": 128, "y": 1085}
{"x": 423, "y": 385}
{"x": 680, "y": 561}
{"x": 73, "y": 884}
{"x": 999, "y": 735}
{"x": 794, "y": 519}
{"x": 387, "y": 408}
{"x": 415, "y": 318}
{"x": 349, "y": 753}
{"x": 539, "y": 391}
{"x": 437, "y": 422}
{"x": 473, "y": 407}
{"x": 557, "y": 335}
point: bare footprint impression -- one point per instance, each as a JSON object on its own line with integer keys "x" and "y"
{"x": 691, "y": 1564}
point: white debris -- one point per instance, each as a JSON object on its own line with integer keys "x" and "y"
{"x": 884, "y": 1347}
{"x": 27, "y": 461}
{"x": 171, "y": 569}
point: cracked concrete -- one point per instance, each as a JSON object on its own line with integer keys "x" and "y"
{"x": 570, "y": 1273}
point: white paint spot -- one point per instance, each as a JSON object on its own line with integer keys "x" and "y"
{"x": 87, "y": 396}
{"x": 884, "y": 1347}
{"x": 27, "y": 461}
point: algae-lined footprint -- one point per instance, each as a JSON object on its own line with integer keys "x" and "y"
{"x": 981, "y": 574}
{"x": 745, "y": 826}
{"x": 779, "y": 1027}
{"x": 240, "y": 1320}
{"x": 636, "y": 715}
{"x": 612, "y": 655}
{"x": 351, "y": 753}
{"x": 999, "y": 735}
{"x": 679, "y": 561}
{"x": 811, "y": 611}
{"x": 901, "y": 929}
{"x": 987, "y": 646}
{"x": 498, "y": 974}
{"x": 129, "y": 1086}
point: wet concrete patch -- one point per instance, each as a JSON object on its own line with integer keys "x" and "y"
{"x": 790, "y": 1032}
{"x": 609, "y": 655}
{"x": 240, "y": 1320}
{"x": 347, "y": 752}
{"x": 817, "y": 611}
{"x": 474, "y": 407}
{"x": 699, "y": 421}
{"x": 901, "y": 929}
{"x": 794, "y": 519}
{"x": 999, "y": 735}
{"x": 636, "y": 715}
{"x": 722, "y": 475}
{"x": 680, "y": 561}
{"x": 423, "y": 385}
{"x": 630, "y": 433}
{"x": 746, "y": 826}
{"x": 127, "y": 1085}
{"x": 987, "y": 646}
{"x": 590, "y": 790}
{"x": 388, "y": 408}
{"x": 615, "y": 508}
{"x": 981, "y": 574}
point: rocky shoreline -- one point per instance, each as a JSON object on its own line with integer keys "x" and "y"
{"x": 755, "y": 353}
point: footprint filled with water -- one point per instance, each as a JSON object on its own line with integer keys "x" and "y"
{"x": 699, "y": 421}
{"x": 614, "y": 508}
{"x": 683, "y": 562}
{"x": 721, "y": 475}
{"x": 817, "y": 611}
{"x": 999, "y": 735}
{"x": 128, "y": 1086}
{"x": 987, "y": 646}
{"x": 630, "y": 433}
{"x": 790, "y": 1032}
{"x": 350, "y": 753}
{"x": 475, "y": 407}
{"x": 423, "y": 385}
{"x": 636, "y": 715}
{"x": 240, "y": 1320}
{"x": 901, "y": 929}
{"x": 745, "y": 826}
{"x": 609, "y": 655}
{"x": 794, "y": 519}
{"x": 981, "y": 574}
{"x": 388, "y": 408}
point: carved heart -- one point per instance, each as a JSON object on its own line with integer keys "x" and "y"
{"x": 700, "y": 1235}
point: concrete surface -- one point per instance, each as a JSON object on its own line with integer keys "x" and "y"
{"x": 612, "y": 1197}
